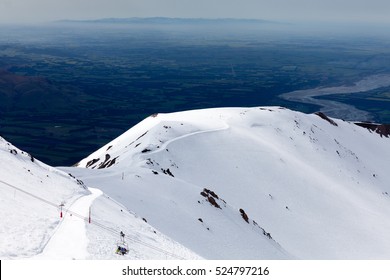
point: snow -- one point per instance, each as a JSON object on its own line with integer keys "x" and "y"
{"x": 224, "y": 183}
{"x": 71, "y": 231}
{"x": 144, "y": 241}
{"x": 317, "y": 188}
{"x": 31, "y": 226}
{"x": 27, "y": 222}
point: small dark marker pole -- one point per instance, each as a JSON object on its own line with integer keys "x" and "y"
{"x": 61, "y": 205}
{"x": 89, "y": 216}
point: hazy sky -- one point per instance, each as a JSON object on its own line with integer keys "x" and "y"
{"x": 323, "y": 10}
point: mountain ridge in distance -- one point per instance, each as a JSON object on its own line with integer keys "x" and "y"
{"x": 171, "y": 20}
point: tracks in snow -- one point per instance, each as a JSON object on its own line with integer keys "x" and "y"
{"x": 70, "y": 239}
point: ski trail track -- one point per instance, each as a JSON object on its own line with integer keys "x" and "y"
{"x": 71, "y": 231}
{"x": 165, "y": 145}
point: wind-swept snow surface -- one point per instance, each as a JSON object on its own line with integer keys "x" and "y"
{"x": 72, "y": 232}
{"x": 231, "y": 183}
{"x": 259, "y": 183}
{"x": 31, "y": 225}
{"x": 30, "y": 195}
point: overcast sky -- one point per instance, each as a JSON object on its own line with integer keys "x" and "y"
{"x": 323, "y": 10}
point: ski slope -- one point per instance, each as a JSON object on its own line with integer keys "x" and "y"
{"x": 225, "y": 183}
{"x": 71, "y": 231}
{"x": 31, "y": 226}
{"x": 318, "y": 186}
{"x": 30, "y": 193}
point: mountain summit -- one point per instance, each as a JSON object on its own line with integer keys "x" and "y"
{"x": 254, "y": 182}
{"x": 225, "y": 183}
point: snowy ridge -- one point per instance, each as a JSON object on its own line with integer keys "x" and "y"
{"x": 31, "y": 226}
{"x": 318, "y": 186}
{"x": 148, "y": 132}
{"x": 29, "y": 193}
{"x": 226, "y": 183}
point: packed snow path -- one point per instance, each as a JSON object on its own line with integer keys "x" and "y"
{"x": 71, "y": 231}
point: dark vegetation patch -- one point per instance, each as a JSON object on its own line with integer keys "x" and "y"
{"x": 244, "y": 216}
{"x": 107, "y": 158}
{"x": 325, "y": 117}
{"x": 167, "y": 172}
{"x": 211, "y": 197}
{"x": 265, "y": 233}
{"x": 266, "y": 109}
{"x": 146, "y": 151}
{"x": 15, "y": 152}
{"x": 92, "y": 162}
{"x": 213, "y": 202}
{"x": 151, "y": 162}
{"x": 381, "y": 129}
{"x": 137, "y": 139}
{"x": 78, "y": 181}
{"x": 81, "y": 183}
{"x": 141, "y": 136}
{"x": 108, "y": 162}
{"x": 213, "y": 194}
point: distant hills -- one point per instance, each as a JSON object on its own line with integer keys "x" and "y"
{"x": 167, "y": 20}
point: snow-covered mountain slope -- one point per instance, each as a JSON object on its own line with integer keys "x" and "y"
{"x": 29, "y": 194}
{"x": 310, "y": 187}
{"x": 31, "y": 226}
